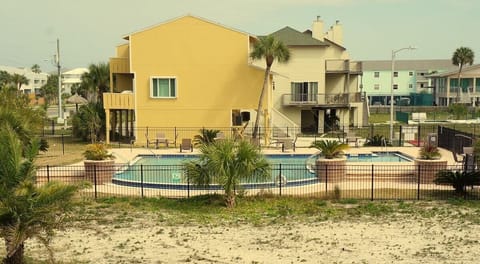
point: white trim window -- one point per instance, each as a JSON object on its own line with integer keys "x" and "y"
{"x": 163, "y": 87}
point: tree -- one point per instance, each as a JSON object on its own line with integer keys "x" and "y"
{"x": 206, "y": 136}
{"x": 270, "y": 49}
{"x": 5, "y": 79}
{"x": 462, "y": 56}
{"x": 27, "y": 211}
{"x": 49, "y": 90}
{"x": 228, "y": 162}
{"x": 36, "y": 68}
{"x": 19, "y": 80}
{"x": 97, "y": 80}
{"x": 88, "y": 123}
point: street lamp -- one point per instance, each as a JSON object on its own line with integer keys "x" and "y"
{"x": 391, "y": 88}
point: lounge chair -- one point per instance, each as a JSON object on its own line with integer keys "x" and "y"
{"x": 186, "y": 145}
{"x": 352, "y": 138}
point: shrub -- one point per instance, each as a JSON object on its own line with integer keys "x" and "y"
{"x": 429, "y": 152}
{"x": 330, "y": 149}
{"x": 458, "y": 179}
{"x": 97, "y": 151}
{"x": 377, "y": 141}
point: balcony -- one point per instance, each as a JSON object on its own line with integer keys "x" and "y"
{"x": 319, "y": 100}
{"x": 343, "y": 66}
{"x": 119, "y": 65}
{"x": 118, "y": 101}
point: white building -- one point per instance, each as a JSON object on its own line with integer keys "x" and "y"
{"x": 72, "y": 77}
{"x": 35, "y": 80}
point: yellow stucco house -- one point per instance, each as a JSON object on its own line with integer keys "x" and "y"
{"x": 319, "y": 82}
{"x": 179, "y": 76}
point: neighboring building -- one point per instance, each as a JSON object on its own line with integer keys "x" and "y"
{"x": 71, "y": 78}
{"x": 446, "y": 84}
{"x": 318, "y": 84}
{"x": 35, "y": 80}
{"x": 185, "y": 73}
{"x": 411, "y": 86}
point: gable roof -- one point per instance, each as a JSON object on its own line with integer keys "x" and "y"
{"x": 127, "y": 37}
{"x": 292, "y": 37}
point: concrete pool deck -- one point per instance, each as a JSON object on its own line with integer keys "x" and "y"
{"x": 126, "y": 155}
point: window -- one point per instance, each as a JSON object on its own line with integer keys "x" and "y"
{"x": 304, "y": 91}
{"x": 376, "y": 87}
{"x": 376, "y": 74}
{"x": 410, "y": 74}
{"x": 410, "y": 86}
{"x": 421, "y": 85}
{"x": 395, "y": 86}
{"x": 395, "y": 74}
{"x": 36, "y": 81}
{"x": 163, "y": 87}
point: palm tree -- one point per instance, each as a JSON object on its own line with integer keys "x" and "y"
{"x": 206, "y": 136}
{"x": 97, "y": 80}
{"x": 227, "y": 162}
{"x": 462, "y": 56}
{"x": 36, "y": 68}
{"x": 19, "y": 80}
{"x": 458, "y": 179}
{"x": 271, "y": 49}
{"x": 88, "y": 122}
{"x": 27, "y": 211}
{"x": 330, "y": 149}
{"x": 5, "y": 78}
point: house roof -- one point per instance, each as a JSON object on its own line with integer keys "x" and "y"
{"x": 455, "y": 71}
{"x": 292, "y": 37}
{"x": 76, "y": 71}
{"x": 127, "y": 37}
{"x": 386, "y": 65}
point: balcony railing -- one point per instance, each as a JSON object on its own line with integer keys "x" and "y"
{"x": 343, "y": 66}
{"x": 118, "y": 101}
{"x": 119, "y": 65}
{"x": 301, "y": 99}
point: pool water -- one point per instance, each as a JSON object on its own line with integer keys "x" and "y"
{"x": 287, "y": 169}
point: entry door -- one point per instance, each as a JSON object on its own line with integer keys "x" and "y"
{"x": 309, "y": 121}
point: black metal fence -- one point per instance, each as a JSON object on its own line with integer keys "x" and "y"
{"x": 372, "y": 182}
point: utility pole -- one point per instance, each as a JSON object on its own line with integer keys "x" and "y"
{"x": 57, "y": 62}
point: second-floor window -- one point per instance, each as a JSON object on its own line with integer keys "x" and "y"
{"x": 163, "y": 87}
{"x": 376, "y": 74}
{"x": 304, "y": 91}
{"x": 395, "y": 74}
{"x": 376, "y": 87}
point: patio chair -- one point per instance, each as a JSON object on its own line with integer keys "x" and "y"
{"x": 352, "y": 138}
{"x": 161, "y": 139}
{"x": 186, "y": 145}
{"x": 288, "y": 144}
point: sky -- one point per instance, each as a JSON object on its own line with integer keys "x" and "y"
{"x": 89, "y": 30}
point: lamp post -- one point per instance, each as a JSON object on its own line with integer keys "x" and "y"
{"x": 394, "y": 52}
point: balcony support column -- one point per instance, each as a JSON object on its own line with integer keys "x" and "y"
{"x": 107, "y": 125}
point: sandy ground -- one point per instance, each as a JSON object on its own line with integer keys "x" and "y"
{"x": 365, "y": 240}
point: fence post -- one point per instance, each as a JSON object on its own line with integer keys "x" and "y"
{"x": 188, "y": 186}
{"x": 418, "y": 182}
{"x": 371, "y": 194}
{"x": 63, "y": 145}
{"x": 53, "y": 127}
{"x": 280, "y": 179}
{"x": 419, "y": 137}
{"x": 400, "y": 144}
{"x": 48, "y": 173}
{"x": 141, "y": 179}
{"x": 95, "y": 179}
{"x": 326, "y": 179}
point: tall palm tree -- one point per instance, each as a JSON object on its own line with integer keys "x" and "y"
{"x": 19, "y": 80}
{"x": 5, "y": 78}
{"x": 270, "y": 49}
{"x": 97, "y": 80}
{"x": 227, "y": 162}
{"x": 462, "y": 56}
{"x": 26, "y": 210}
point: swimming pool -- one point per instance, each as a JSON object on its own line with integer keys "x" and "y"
{"x": 166, "y": 171}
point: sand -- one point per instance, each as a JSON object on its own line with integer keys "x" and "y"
{"x": 144, "y": 239}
